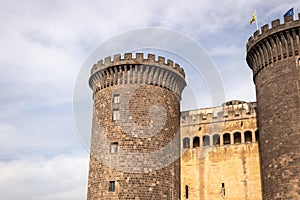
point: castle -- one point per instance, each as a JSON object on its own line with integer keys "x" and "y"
{"x": 144, "y": 148}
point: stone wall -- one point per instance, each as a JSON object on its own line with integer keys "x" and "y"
{"x": 219, "y": 162}
{"x": 135, "y": 141}
{"x": 273, "y": 55}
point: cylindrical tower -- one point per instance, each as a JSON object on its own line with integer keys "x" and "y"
{"x": 135, "y": 145}
{"x": 273, "y": 55}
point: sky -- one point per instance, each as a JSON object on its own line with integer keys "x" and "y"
{"x": 44, "y": 45}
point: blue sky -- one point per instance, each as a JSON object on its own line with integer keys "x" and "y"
{"x": 45, "y": 43}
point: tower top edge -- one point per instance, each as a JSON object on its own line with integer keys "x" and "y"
{"x": 276, "y": 26}
{"x": 138, "y": 59}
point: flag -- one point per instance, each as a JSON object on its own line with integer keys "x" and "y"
{"x": 253, "y": 18}
{"x": 290, "y": 12}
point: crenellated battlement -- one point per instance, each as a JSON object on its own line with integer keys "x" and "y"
{"x": 231, "y": 110}
{"x": 276, "y": 26}
{"x": 271, "y": 45}
{"x": 138, "y": 59}
{"x": 139, "y": 70}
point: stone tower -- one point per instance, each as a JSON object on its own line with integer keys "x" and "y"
{"x": 273, "y": 55}
{"x": 135, "y": 145}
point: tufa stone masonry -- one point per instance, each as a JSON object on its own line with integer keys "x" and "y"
{"x": 135, "y": 148}
{"x": 144, "y": 148}
{"x": 273, "y": 55}
{"x": 220, "y": 158}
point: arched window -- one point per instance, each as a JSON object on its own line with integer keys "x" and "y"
{"x": 186, "y": 143}
{"x": 216, "y": 139}
{"x": 114, "y": 147}
{"x": 248, "y": 136}
{"x": 226, "y": 138}
{"x": 257, "y": 135}
{"x": 111, "y": 187}
{"x": 206, "y": 140}
{"x": 237, "y": 138}
{"x": 196, "y": 142}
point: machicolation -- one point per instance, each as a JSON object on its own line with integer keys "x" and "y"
{"x": 138, "y": 70}
{"x": 273, "y": 44}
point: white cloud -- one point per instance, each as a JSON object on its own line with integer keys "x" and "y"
{"x": 7, "y": 132}
{"x": 226, "y": 51}
{"x": 61, "y": 177}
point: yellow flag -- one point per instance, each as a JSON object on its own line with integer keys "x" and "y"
{"x": 253, "y": 18}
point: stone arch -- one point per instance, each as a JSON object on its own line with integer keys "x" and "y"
{"x": 248, "y": 136}
{"x": 196, "y": 142}
{"x": 216, "y": 139}
{"x": 186, "y": 143}
{"x": 206, "y": 140}
{"x": 226, "y": 138}
{"x": 237, "y": 138}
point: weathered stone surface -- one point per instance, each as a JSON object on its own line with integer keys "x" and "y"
{"x": 143, "y": 123}
{"x": 274, "y": 58}
{"x": 206, "y": 167}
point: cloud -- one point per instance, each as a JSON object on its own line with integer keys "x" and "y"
{"x": 7, "y": 132}
{"x": 61, "y": 177}
{"x": 226, "y": 51}
{"x": 40, "y": 130}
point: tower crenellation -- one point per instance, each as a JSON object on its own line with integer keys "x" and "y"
{"x": 273, "y": 44}
{"x": 139, "y": 58}
{"x": 138, "y": 70}
{"x": 265, "y": 31}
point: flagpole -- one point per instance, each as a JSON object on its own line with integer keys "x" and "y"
{"x": 256, "y": 21}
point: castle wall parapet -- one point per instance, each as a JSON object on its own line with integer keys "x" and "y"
{"x": 231, "y": 110}
{"x": 138, "y": 70}
{"x": 271, "y": 45}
